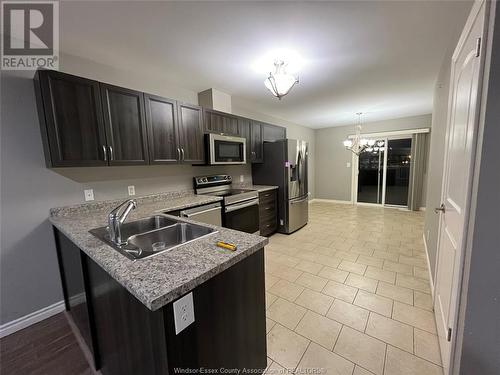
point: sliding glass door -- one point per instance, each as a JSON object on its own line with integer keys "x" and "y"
{"x": 398, "y": 171}
{"x": 384, "y": 172}
{"x": 370, "y": 176}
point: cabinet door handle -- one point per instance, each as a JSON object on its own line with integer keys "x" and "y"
{"x": 267, "y": 208}
{"x": 178, "y": 154}
{"x": 105, "y": 153}
{"x": 182, "y": 151}
{"x": 111, "y": 156}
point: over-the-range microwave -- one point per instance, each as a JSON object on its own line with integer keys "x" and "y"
{"x": 224, "y": 149}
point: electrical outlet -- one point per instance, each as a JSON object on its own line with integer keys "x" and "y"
{"x": 242, "y": 178}
{"x": 183, "y": 312}
{"x": 131, "y": 190}
{"x": 348, "y": 165}
{"x": 89, "y": 194}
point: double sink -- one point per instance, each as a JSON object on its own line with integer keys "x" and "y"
{"x": 146, "y": 237}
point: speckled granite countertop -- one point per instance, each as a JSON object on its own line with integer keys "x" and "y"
{"x": 163, "y": 278}
{"x": 260, "y": 188}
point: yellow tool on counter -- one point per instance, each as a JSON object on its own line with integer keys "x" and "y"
{"x": 225, "y": 245}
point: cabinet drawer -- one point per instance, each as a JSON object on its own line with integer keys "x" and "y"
{"x": 268, "y": 226}
{"x": 266, "y": 211}
{"x": 267, "y": 197}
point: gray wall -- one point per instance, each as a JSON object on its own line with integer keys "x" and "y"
{"x": 436, "y": 158}
{"x": 29, "y": 277}
{"x": 331, "y": 157}
{"x": 479, "y": 328}
{"x": 294, "y": 131}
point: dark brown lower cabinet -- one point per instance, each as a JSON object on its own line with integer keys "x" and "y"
{"x": 268, "y": 212}
{"x": 228, "y": 332}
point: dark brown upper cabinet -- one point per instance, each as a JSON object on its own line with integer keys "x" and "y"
{"x": 190, "y": 131}
{"x": 125, "y": 123}
{"x": 252, "y": 131}
{"x": 71, "y": 121}
{"x": 161, "y": 119}
{"x": 220, "y": 122}
{"x": 271, "y": 133}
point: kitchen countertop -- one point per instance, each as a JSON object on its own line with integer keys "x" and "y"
{"x": 260, "y": 188}
{"x": 160, "y": 279}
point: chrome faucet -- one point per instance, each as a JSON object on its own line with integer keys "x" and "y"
{"x": 116, "y": 219}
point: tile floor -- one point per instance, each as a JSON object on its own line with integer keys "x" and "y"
{"x": 349, "y": 294}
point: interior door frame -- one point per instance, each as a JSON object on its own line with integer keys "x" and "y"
{"x": 465, "y": 247}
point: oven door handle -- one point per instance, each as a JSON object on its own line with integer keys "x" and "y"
{"x": 243, "y": 205}
{"x": 191, "y": 214}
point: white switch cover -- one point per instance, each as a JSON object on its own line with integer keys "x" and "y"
{"x": 242, "y": 178}
{"x": 131, "y": 190}
{"x": 89, "y": 194}
{"x": 183, "y": 312}
{"x": 348, "y": 165}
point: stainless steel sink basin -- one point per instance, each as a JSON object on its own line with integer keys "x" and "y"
{"x": 150, "y": 236}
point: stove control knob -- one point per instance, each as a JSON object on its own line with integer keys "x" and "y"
{"x": 205, "y": 179}
{"x": 228, "y": 177}
{"x": 225, "y": 177}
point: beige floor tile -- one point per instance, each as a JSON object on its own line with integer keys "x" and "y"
{"x": 374, "y": 302}
{"x": 414, "y": 316}
{"x": 269, "y": 324}
{"x": 286, "y": 289}
{"x": 361, "y": 282}
{"x": 285, "y": 347}
{"x": 398, "y": 267}
{"x": 285, "y": 313}
{"x": 311, "y": 281}
{"x": 413, "y": 283}
{"x": 275, "y": 369}
{"x": 333, "y": 274}
{"x": 319, "y": 329}
{"x": 347, "y": 255}
{"x": 348, "y": 314}
{"x": 427, "y": 346}
{"x": 370, "y": 261}
{"x": 421, "y": 273}
{"x": 386, "y": 255}
{"x": 413, "y": 261}
{"x": 328, "y": 260}
{"x": 390, "y": 331}
{"x": 311, "y": 267}
{"x": 288, "y": 260}
{"x": 423, "y": 300}
{"x": 341, "y": 291}
{"x": 270, "y": 280}
{"x": 399, "y": 362}
{"x": 282, "y": 271}
{"x": 395, "y": 292}
{"x": 315, "y": 301}
{"x": 270, "y": 298}
{"x": 382, "y": 275}
{"x": 329, "y": 251}
{"x": 317, "y": 358}
{"x": 358, "y": 268}
{"x": 361, "y": 349}
{"x": 309, "y": 256}
{"x": 361, "y": 371}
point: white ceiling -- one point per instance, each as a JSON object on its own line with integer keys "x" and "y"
{"x": 378, "y": 57}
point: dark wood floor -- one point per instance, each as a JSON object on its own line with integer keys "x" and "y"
{"x": 48, "y": 347}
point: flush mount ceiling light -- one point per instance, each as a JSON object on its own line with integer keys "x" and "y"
{"x": 280, "y": 82}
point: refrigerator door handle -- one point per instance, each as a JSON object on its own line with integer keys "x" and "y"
{"x": 300, "y": 200}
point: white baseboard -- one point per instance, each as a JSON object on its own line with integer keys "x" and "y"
{"x": 30, "y": 319}
{"x": 329, "y": 201}
{"x": 431, "y": 279}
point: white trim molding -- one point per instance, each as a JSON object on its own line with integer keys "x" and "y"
{"x": 30, "y": 319}
{"x": 319, "y": 200}
{"x": 394, "y": 132}
{"x": 431, "y": 278}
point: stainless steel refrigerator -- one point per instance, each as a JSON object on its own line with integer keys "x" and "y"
{"x": 285, "y": 165}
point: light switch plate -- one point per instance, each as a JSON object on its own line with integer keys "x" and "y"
{"x": 183, "y": 312}
{"x": 89, "y": 194}
{"x": 348, "y": 165}
{"x": 242, "y": 178}
{"x": 131, "y": 190}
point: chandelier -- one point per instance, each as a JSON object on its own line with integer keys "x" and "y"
{"x": 280, "y": 82}
{"x": 357, "y": 144}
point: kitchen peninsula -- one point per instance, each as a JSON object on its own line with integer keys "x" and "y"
{"x": 124, "y": 309}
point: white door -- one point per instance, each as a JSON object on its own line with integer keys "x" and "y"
{"x": 466, "y": 74}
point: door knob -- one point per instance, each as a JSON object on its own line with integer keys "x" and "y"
{"x": 441, "y": 208}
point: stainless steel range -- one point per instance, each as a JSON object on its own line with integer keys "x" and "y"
{"x": 240, "y": 206}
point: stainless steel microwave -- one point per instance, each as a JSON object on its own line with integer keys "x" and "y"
{"x": 224, "y": 149}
